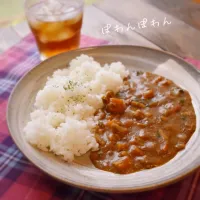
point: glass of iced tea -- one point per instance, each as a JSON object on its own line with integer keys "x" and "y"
{"x": 55, "y": 24}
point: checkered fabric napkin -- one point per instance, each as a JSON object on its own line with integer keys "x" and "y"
{"x": 20, "y": 180}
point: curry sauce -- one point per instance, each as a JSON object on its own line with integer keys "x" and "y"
{"x": 144, "y": 125}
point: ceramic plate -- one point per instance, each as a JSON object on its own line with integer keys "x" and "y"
{"x": 82, "y": 173}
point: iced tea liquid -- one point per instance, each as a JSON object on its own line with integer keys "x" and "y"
{"x": 57, "y": 31}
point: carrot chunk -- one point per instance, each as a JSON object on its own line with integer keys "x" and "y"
{"x": 116, "y": 106}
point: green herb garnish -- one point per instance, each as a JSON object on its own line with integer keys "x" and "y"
{"x": 78, "y": 98}
{"x": 71, "y": 85}
{"x": 182, "y": 101}
{"x": 158, "y": 135}
{"x": 118, "y": 94}
{"x": 183, "y": 117}
{"x": 100, "y": 153}
{"x": 138, "y": 73}
{"x": 100, "y": 124}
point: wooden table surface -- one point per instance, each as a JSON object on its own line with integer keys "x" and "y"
{"x": 181, "y": 37}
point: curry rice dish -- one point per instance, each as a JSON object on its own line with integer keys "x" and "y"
{"x": 129, "y": 121}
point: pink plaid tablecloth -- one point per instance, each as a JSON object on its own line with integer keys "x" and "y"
{"x": 20, "y": 180}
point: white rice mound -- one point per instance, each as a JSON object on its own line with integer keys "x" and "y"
{"x": 63, "y": 115}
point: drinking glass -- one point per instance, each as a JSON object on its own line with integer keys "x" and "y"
{"x": 55, "y": 24}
